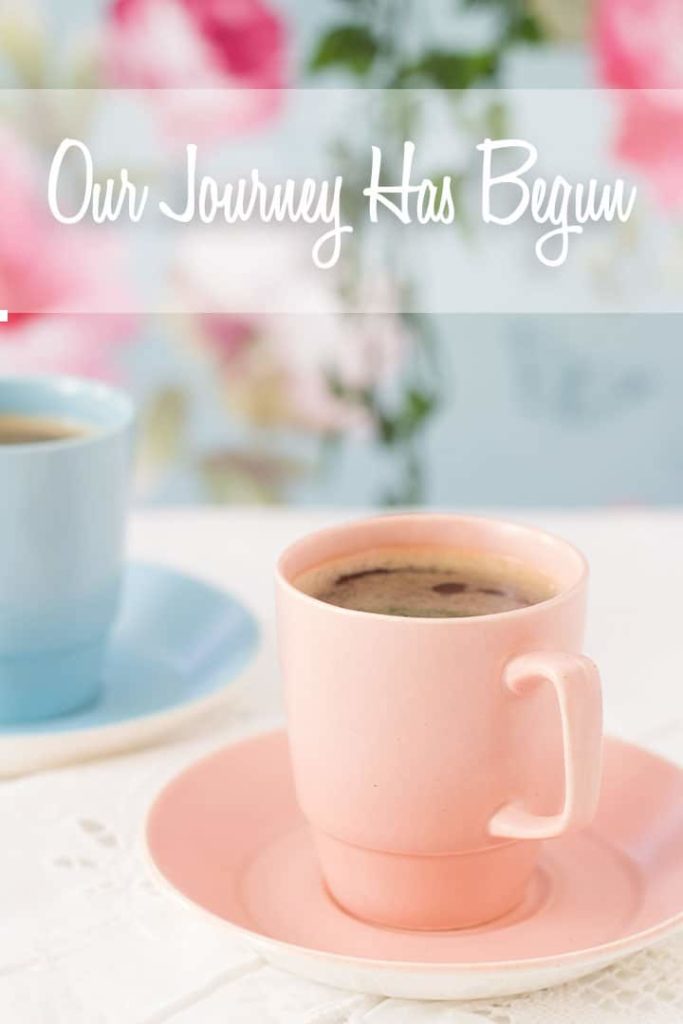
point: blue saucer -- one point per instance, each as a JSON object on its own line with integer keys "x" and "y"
{"x": 178, "y": 645}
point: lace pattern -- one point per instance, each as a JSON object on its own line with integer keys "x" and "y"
{"x": 89, "y": 936}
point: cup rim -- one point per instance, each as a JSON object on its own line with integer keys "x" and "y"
{"x": 454, "y": 622}
{"x": 71, "y": 383}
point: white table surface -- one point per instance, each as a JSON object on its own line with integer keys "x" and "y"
{"x": 86, "y": 935}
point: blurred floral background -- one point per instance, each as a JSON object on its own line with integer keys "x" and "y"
{"x": 343, "y": 407}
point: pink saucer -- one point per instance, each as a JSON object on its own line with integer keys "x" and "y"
{"x": 228, "y": 836}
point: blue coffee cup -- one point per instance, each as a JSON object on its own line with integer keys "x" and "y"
{"x": 62, "y": 519}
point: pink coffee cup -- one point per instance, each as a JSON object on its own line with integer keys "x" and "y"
{"x": 432, "y": 756}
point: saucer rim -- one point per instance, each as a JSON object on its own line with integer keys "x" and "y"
{"x": 175, "y": 714}
{"x": 35, "y": 749}
{"x": 40, "y": 730}
{"x": 589, "y": 955}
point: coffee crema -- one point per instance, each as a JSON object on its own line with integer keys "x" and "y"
{"x": 427, "y": 582}
{"x": 21, "y": 429}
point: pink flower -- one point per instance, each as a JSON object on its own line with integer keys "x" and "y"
{"x": 651, "y": 138}
{"x": 639, "y": 48}
{"x": 277, "y": 368}
{"x": 639, "y": 43}
{"x": 42, "y": 273}
{"x": 195, "y": 46}
{"x": 282, "y": 373}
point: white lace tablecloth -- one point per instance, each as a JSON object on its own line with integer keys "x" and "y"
{"x": 86, "y": 935}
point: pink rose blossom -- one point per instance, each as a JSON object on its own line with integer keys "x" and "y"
{"x": 639, "y": 45}
{"x": 651, "y": 138}
{"x": 194, "y": 47}
{"x": 41, "y": 275}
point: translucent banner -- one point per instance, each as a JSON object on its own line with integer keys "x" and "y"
{"x": 319, "y": 201}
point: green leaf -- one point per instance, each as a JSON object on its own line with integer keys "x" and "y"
{"x": 496, "y": 120}
{"x": 519, "y": 25}
{"x": 417, "y": 407}
{"x": 386, "y": 428}
{"x": 525, "y": 29}
{"x": 348, "y": 46}
{"x": 444, "y": 69}
{"x": 360, "y": 396}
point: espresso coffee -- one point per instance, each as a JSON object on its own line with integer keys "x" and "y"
{"x": 427, "y": 582}
{"x": 19, "y": 429}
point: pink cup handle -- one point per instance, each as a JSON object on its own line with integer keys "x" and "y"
{"x": 577, "y": 686}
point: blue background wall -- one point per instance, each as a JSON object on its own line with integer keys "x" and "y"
{"x": 566, "y": 410}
